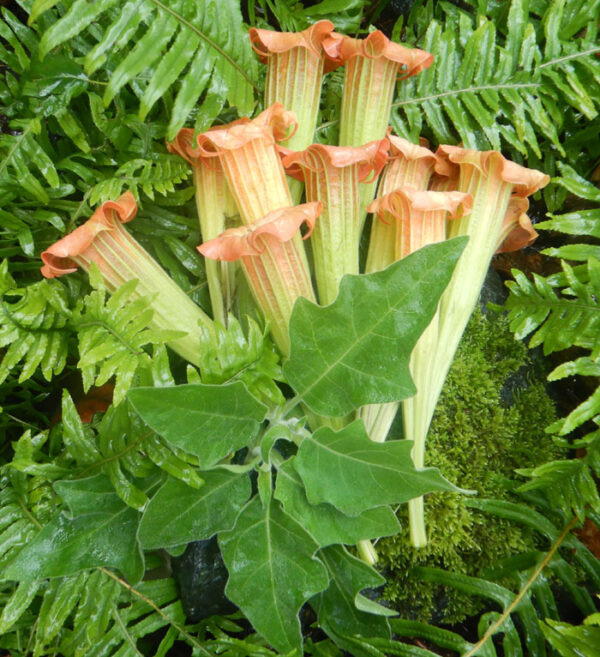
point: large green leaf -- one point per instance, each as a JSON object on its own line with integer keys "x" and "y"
{"x": 102, "y": 532}
{"x": 338, "y": 607}
{"x": 272, "y": 571}
{"x": 347, "y": 469}
{"x": 356, "y": 350}
{"x": 179, "y": 514}
{"x": 324, "y": 522}
{"x": 209, "y": 421}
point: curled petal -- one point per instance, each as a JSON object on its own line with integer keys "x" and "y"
{"x": 58, "y": 259}
{"x": 281, "y": 224}
{"x": 526, "y": 181}
{"x": 267, "y": 42}
{"x": 273, "y": 124}
{"x": 370, "y": 159}
{"x": 517, "y": 229}
{"x": 455, "y": 203}
{"x": 403, "y": 148}
{"x": 183, "y": 145}
{"x": 340, "y": 49}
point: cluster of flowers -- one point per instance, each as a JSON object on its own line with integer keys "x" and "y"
{"x": 244, "y": 175}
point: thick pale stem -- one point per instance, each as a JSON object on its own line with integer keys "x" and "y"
{"x": 121, "y": 258}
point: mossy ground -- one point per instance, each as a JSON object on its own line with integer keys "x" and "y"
{"x": 490, "y": 420}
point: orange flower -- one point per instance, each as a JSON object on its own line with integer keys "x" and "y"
{"x": 332, "y": 175}
{"x": 408, "y": 165}
{"x": 102, "y": 239}
{"x": 419, "y": 217}
{"x": 517, "y": 229}
{"x": 373, "y": 65}
{"x": 272, "y": 257}
{"x": 247, "y": 152}
{"x": 295, "y": 65}
{"x": 215, "y": 204}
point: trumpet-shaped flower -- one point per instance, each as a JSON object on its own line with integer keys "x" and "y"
{"x": 332, "y": 175}
{"x": 492, "y": 181}
{"x": 215, "y": 204}
{"x": 247, "y": 152}
{"x": 372, "y": 67}
{"x": 273, "y": 260}
{"x": 102, "y": 239}
{"x": 295, "y": 65}
{"x": 409, "y": 165}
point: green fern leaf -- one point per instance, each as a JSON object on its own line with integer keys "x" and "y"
{"x": 111, "y": 336}
{"x": 568, "y": 485}
{"x": 196, "y": 43}
{"x": 34, "y": 327}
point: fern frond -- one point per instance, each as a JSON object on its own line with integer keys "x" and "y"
{"x": 123, "y": 449}
{"x": 559, "y": 321}
{"x": 160, "y": 174}
{"x": 246, "y": 356}
{"x": 156, "y": 45}
{"x": 111, "y": 336}
{"x": 34, "y": 327}
{"x": 502, "y": 88}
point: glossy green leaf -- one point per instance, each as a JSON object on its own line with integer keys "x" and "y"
{"x": 324, "y": 522}
{"x": 272, "y": 571}
{"x": 209, "y": 421}
{"x": 101, "y": 532}
{"x": 347, "y": 469}
{"x": 571, "y": 640}
{"x": 348, "y": 354}
{"x": 337, "y": 608}
{"x": 179, "y": 514}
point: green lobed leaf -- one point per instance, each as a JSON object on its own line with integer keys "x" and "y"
{"x": 324, "y": 522}
{"x": 179, "y": 514}
{"x": 209, "y": 421}
{"x": 337, "y": 608}
{"x": 272, "y": 571}
{"x": 571, "y": 640}
{"x": 348, "y": 354}
{"x": 102, "y": 532}
{"x": 347, "y": 469}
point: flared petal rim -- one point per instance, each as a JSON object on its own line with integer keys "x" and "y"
{"x": 58, "y": 258}
{"x": 274, "y": 124}
{"x": 268, "y": 42}
{"x": 402, "y": 148}
{"x": 183, "y": 145}
{"x": 370, "y": 158}
{"x": 521, "y": 232}
{"x": 525, "y": 181}
{"x": 282, "y": 224}
{"x": 340, "y": 49}
{"x": 454, "y": 203}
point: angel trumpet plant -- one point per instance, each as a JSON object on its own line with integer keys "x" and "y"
{"x": 215, "y": 204}
{"x": 417, "y": 218}
{"x": 247, "y": 152}
{"x": 103, "y": 240}
{"x": 332, "y": 175}
{"x": 273, "y": 260}
{"x": 492, "y": 181}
